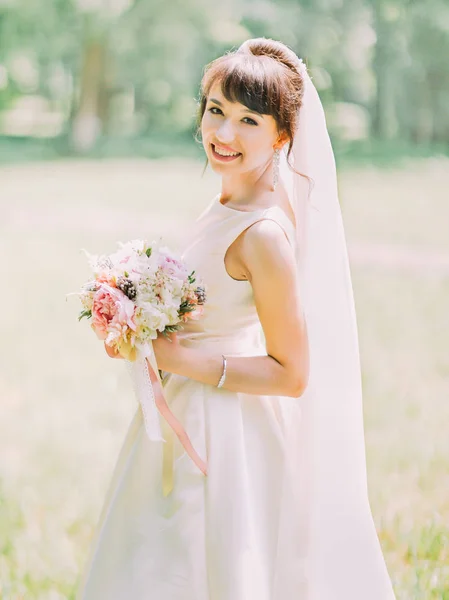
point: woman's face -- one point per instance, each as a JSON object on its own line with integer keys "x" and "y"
{"x": 236, "y": 140}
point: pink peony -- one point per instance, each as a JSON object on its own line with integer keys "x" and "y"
{"x": 172, "y": 267}
{"x": 111, "y": 309}
{"x": 106, "y": 277}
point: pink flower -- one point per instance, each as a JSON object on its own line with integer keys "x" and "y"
{"x": 172, "y": 267}
{"x": 111, "y": 310}
{"x": 106, "y": 277}
{"x": 194, "y": 314}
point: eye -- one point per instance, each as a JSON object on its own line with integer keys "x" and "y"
{"x": 250, "y": 121}
{"x": 215, "y": 108}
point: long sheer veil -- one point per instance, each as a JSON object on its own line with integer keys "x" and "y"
{"x": 341, "y": 554}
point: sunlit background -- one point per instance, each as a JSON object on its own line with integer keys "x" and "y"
{"x": 97, "y": 110}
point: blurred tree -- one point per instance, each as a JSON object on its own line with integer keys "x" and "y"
{"x": 95, "y": 81}
{"x": 43, "y": 41}
{"x": 386, "y": 20}
{"x": 424, "y": 100}
{"x": 132, "y": 67}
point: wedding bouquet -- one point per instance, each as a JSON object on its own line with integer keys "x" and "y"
{"x": 136, "y": 292}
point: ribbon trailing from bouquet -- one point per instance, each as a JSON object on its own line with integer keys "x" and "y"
{"x": 150, "y": 395}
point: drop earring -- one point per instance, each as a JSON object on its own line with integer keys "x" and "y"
{"x": 276, "y": 158}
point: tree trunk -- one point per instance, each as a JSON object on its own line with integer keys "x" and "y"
{"x": 384, "y": 121}
{"x": 88, "y": 122}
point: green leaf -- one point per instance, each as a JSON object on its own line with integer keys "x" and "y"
{"x": 186, "y": 308}
{"x": 148, "y": 252}
{"x": 171, "y": 329}
{"x": 85, "y": 313}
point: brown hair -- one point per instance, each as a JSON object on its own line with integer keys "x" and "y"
{"x": 263, "y": 75}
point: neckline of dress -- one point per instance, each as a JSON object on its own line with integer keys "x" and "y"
{"x": 236, "y": 210}
{"x": 251, "y": 212}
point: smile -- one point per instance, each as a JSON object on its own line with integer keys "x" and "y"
{"x": 224, "y": 155}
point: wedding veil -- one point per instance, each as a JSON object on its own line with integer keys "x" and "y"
{"x": 342, "y": 558}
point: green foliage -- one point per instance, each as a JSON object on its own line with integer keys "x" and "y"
{"x": 85, "y": 313}
{"x": 171, "y": 329}
{"x": 112, "y": 79}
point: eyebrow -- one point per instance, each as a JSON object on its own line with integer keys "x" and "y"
{"x": 215, "y": 101}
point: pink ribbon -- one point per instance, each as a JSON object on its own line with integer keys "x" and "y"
{"x": 175, "y": 426}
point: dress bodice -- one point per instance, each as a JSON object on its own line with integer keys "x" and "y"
{"x": 230, "y": 312}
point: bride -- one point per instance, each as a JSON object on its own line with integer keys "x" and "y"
{"x": 267, "y": 383}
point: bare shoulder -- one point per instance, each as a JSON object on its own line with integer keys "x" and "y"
{"x": 264, "y": 246}
{"x": 265, "y": 237}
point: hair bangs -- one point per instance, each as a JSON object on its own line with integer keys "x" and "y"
{"x": 249, "y": 81}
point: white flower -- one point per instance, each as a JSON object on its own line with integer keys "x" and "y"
{"x": 149, "y": 319}
{"x": 161, "y": 283}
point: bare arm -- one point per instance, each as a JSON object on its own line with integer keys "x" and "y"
{"x": 268, "y": 261}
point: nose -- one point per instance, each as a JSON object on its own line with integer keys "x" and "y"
{"x": 225, "y": 133}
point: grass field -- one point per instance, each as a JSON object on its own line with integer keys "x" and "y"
{"x": 65, "y": 406}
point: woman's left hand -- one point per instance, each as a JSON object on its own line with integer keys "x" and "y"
{"x": 167, "y": 350}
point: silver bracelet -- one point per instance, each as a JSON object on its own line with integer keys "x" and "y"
{"x": 223, "y": 376}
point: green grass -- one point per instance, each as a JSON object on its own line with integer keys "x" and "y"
{"x": 65, "y": 406}
{"x": 154, "y": 145}
{"x": 17, "y": 150}
{"x": 386, "y": 154}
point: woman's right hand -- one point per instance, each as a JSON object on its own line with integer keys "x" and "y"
{"x": 111, "y": 352}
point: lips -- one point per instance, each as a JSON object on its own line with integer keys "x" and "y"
{"x": 224, "y": 154}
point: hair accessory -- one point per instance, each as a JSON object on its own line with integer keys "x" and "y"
{"x": 276, "y": 159}
{"x": 223, "y": 376}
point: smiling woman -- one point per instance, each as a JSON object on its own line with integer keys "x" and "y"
{"x": 266, "y": 383}
{"x": 225, "y": 122}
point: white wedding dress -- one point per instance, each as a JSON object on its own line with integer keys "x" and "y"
{"x": 241, "y": 533}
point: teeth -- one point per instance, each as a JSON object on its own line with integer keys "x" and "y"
{"x": 224, "y": 153}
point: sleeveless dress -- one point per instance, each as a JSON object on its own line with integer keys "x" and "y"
{"x": 235, "y": 534}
